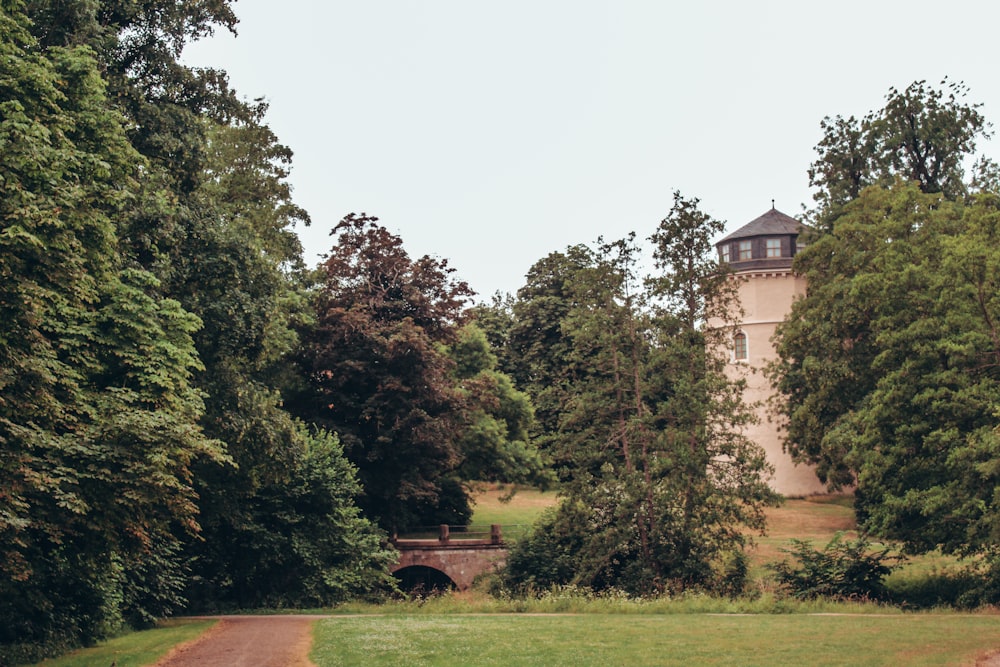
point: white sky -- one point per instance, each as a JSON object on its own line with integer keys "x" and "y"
{"x": 491, "y": 134}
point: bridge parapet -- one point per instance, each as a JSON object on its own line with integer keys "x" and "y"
{"x": 462, "y": 536}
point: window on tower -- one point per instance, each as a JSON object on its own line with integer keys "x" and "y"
{"x": 740, "y": 346}
{"x": 746, "y": 250}
{"x": 774, "y": 247}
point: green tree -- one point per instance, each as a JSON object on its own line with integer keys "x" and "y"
{"x": 200, "y": 250}
{"x": 496, "y": 443}
{"x": 98, "y": 416}
{"x": 238, "y": 265}
{"x": 924, "y": 134}
{"x": 714, "y": 486}
{"x": 914, "y": 339}
{"x": 660, "y": 484}
{"x": 537, "y": 347}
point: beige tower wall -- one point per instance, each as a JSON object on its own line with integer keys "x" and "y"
{"x": 767, "y": 298}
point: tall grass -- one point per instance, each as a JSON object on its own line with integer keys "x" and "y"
{"x": 572, "y": 600}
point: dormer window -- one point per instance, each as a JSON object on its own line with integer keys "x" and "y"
{"x": 725, "y": 252}
{"x": 773, "y": 248}
{"x": 746, "y": 250}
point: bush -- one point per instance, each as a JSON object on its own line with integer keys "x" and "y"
{"x": 847, "y": 569}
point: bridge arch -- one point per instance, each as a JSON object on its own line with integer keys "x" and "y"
{"x": 424, "y": 578}
{"x": 458, "y": 560}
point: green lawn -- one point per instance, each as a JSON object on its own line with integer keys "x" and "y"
{"x": 522, "y": 509}
{"x": 134, "y": 649}
{"x": 636, "y": 640}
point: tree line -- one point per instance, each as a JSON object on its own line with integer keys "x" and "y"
{"x": 191, "y": 418}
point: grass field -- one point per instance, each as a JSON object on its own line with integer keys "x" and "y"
{"x": 637, "y": 640}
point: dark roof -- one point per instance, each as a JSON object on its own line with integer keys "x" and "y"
{"x": 772, "y": 223}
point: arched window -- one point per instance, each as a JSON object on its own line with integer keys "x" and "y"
{"x": 740, "y": 346}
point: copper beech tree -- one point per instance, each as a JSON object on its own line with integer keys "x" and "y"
{"x": 379, "y": 373}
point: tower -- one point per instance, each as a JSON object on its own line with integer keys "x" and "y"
{"x": 760, "y": 253}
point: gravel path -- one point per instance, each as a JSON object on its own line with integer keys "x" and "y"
{"x": 248, "y": 641}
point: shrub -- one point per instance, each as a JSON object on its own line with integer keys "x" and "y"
{"x": 846, "y": 569}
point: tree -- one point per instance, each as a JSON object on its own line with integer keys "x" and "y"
{"x": 923, "y": 134}
{"x": 537, "y": 348}
{"x": 660, "y": 485}
{"x": 376, "y": 372}
{"x": 904, "y": 286}
{"x": 276, "y": 530}
{"x": 296, "y": 542}
{"x": 715, "y": 476}
{"x": 153, "y": 279}
{"x": 496, "y": 443}
{"x": 99, "y": 413}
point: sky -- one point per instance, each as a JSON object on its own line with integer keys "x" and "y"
{"x": 491, "y": 134}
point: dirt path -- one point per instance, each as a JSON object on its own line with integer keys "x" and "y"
{"x": 248, "y": 641}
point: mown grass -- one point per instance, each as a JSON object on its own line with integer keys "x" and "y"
{"x": 522, "y": 509}
{"x": 638, "y": 640}
{"x": 134, "y": 649}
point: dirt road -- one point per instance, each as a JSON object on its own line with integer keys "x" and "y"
{"x": 248, "y": 641}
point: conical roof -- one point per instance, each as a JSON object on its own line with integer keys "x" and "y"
{"x": 772, "y": 223}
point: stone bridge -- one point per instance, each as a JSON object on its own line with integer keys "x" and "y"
{"x": 448, "y": 561}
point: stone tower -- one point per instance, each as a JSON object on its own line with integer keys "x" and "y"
{"x": 761, "y": 254}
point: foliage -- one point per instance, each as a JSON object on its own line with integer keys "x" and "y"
{"x": 537, "y": 350}
{"x": 149, "y": 281}
{"x": 889, "y": 365}
{"x": 495, "y": 444}
{"x": 377, "y": 375}
{"x": 550, "y": 554}
{"x": 660, "y": 485}
{"x": 842, "y": 569}
{"x": 415, "y": 398}
{"x": 98, "y": 420}
{"x": 923, "y": 134}
{"x": 300, "y": 542}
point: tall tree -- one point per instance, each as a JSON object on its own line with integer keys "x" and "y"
{"x": 98, "y": 415}
{"x": 660, "y": 483}
{"x": 537, "y": 347}
{"x": 496, "y": 442}
{"x": 238, "y": 265}
{"x": 924, "y": 134}
{"x": 377, "y": 374}
{"x": 714, "y": 476}
{"x": 889, "y": 365}
{"x": 202, "y": 241}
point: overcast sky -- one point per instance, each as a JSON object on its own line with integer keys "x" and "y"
{"x": 493, "y": 133}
